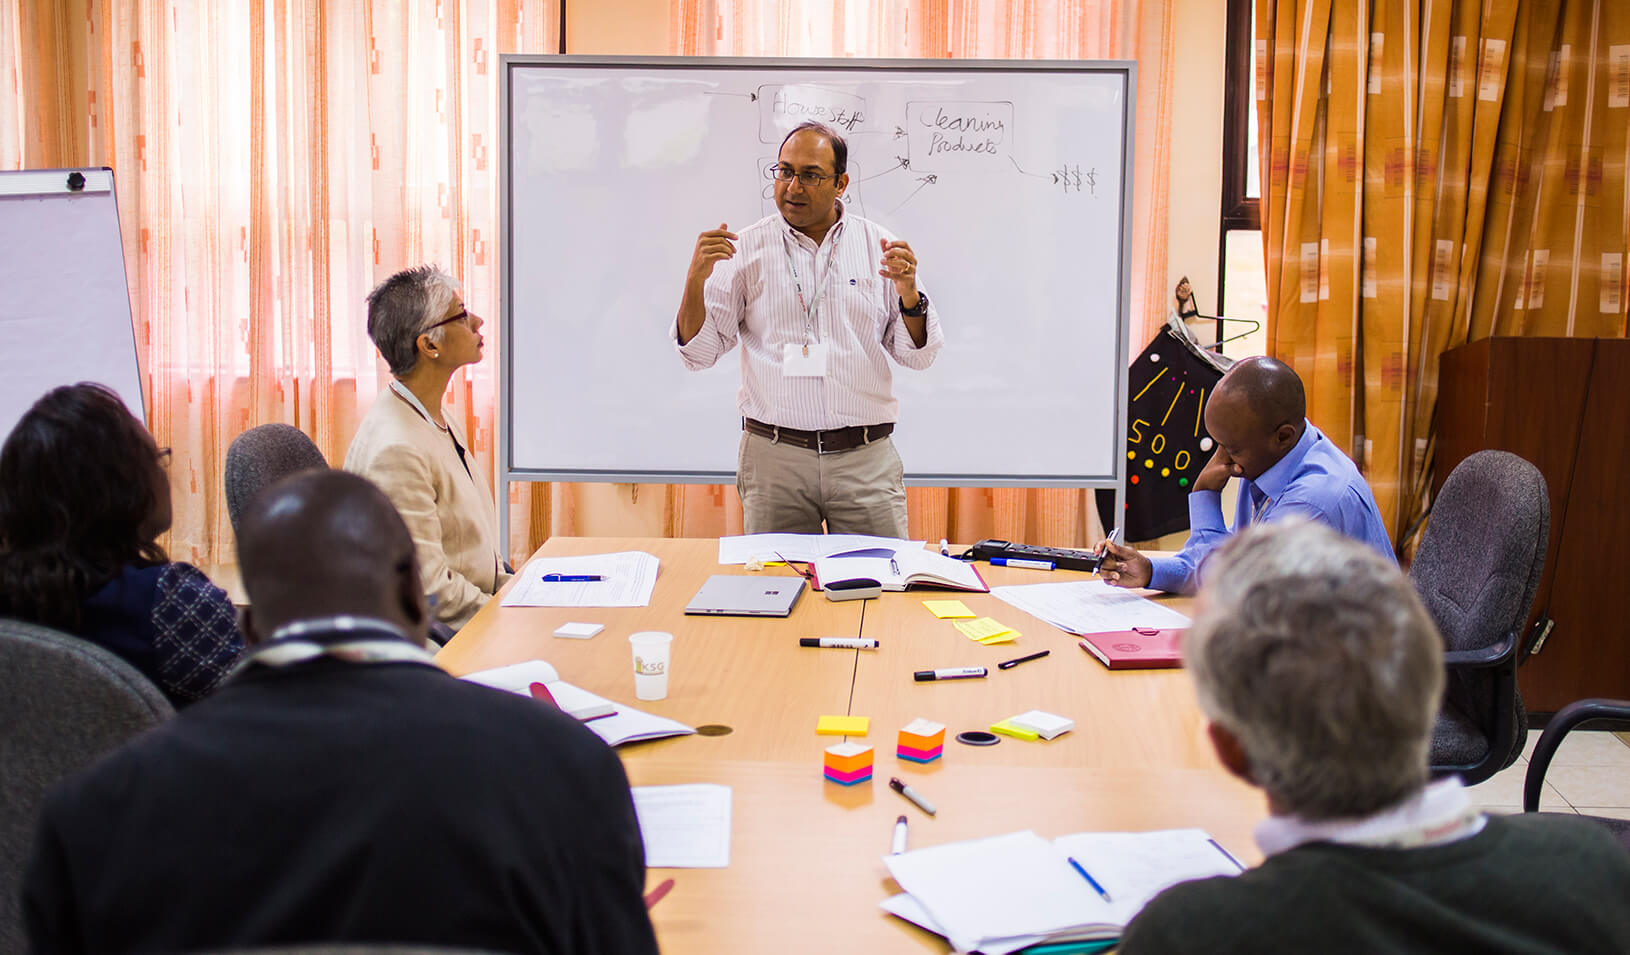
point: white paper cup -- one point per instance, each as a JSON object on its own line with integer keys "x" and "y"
{"x": 652, "y": 652}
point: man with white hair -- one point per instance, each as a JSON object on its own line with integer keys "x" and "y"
{"x": 1321, "y": 675}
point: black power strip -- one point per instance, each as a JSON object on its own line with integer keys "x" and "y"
{"x": 1063, "y": 558}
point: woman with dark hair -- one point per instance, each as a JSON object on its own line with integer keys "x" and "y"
{"x": 83, "y": 498}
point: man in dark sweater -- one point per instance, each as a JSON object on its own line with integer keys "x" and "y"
{"x": 1321, "y": 675}
{"x": 341, "y": 787}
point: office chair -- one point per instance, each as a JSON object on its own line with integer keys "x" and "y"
{"x": 262, "y": 455}
{"x": 63, "y": 703}
{"x": 1477, "y": 569}
{"x": 1565, "y": 721}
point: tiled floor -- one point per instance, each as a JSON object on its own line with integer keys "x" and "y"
{"x": 1590, "y": 774}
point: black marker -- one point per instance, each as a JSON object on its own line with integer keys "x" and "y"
{"x": 950, "y": 673}
{"x": 1010, "y": 664}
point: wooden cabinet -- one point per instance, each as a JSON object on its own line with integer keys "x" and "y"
{"x": 1564, "y": 404}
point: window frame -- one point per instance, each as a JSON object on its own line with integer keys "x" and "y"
{"x": 1239, "y": 212}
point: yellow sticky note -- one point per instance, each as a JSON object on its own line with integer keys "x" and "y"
{"x": 983, "y": 629}
{"x": 945, "y": 609}
{"x": 843, "y": 726}
{"x": 999, "y": 638}
{"x": 1007, "y": 728}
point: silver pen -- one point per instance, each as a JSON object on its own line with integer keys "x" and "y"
{"x": 912, "y": 794}
{"x": 899, "y": 844}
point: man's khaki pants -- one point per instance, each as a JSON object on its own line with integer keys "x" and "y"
{"x": 791, "y": 490}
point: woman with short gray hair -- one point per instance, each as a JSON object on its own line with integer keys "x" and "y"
{"x": 420, "y": 457}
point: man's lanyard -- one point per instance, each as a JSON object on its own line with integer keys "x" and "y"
{"x": 813, "y": 305}
{"x": 401, "y": 391}
{"x": 377, "y": 641}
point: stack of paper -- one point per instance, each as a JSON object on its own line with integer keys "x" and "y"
{"x": 1090, "y": 606}
{"x": 1004, "y": 893}
{"x": 684, "y": 827}
{"x": 800, "y": 547}
{"x": 626, "y": 580}
{"x": 616, "y": 723}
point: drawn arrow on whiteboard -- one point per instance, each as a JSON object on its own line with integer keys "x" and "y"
{"x": 1021, "y": 169}
{"x": 926, "y": 181}
{"x": 900, "y": 162}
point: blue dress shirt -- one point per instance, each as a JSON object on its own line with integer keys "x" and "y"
{"x": 1314, "y": 481}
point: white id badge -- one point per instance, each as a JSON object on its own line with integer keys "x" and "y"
{"x": 804, "y": 361}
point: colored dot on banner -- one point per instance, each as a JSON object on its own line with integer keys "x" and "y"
{"x": 1205, "y": 444}
{"x": 1165, "y": 472}
{"x": 1182, "y": 482}
{"x": 1131, "y": 455}
{"x": 1148, "y": 462}
{"x": 1155, "y": 357}
{"x": 1134, "y": 479}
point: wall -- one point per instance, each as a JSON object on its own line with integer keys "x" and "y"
{"x": 1200, "y": 32}
{"x": 618, "y": 27}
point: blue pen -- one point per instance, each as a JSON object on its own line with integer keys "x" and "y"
{"x": 569, "y": 578}
{"x": 1090, "y": 880}
{"x": 1020, "y": 562}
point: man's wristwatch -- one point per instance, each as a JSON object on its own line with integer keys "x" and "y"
{"x": 918, "y": 310}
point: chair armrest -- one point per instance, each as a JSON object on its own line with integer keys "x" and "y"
{"x": 1564, "y": 722}
{"x": 1489, "y": 656}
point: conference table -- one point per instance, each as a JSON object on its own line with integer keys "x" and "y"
{"x": 806, "y": 870}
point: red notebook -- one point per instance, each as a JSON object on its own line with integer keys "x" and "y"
{"x": 1142, "y": 649}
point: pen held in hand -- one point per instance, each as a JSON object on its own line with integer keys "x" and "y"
{"x": 655, "y": 895}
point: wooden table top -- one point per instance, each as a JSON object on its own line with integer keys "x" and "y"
{"x": 804, "y": 850}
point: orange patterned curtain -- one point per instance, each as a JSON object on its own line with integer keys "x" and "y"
{"x": 1435, "y": 171}
{"x": 272, "y": 162}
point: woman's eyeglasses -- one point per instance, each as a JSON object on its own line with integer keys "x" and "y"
{"x": 463, "y": 314}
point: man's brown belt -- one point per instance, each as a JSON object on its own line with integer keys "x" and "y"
{"x": 821, "y": 442}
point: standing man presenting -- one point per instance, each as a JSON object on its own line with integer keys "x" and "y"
{"x": 819, "y": 300}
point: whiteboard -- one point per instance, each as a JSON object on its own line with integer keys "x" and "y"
{"x": 65, "y": 312}
{"x": 1010, "y": 180}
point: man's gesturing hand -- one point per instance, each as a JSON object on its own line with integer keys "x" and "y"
{"x": 711, "y": 246}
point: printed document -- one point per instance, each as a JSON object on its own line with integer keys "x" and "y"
{"x": 629, "y": 577}
{"x": 1091, "y": 606}
{"x": 801, "y": 547}
{"x": 684, "y": 827}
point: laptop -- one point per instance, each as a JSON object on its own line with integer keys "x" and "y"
{"x": 727, "y": 595}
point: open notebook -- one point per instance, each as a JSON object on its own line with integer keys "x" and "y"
{"x": 899, "y": 569}
{"x": 616, "y": 723}
{"x": 1004, "y": 893}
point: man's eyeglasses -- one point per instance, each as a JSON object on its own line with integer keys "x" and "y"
{"x": 807, "y": 179}
{"x": 463, "y": 314}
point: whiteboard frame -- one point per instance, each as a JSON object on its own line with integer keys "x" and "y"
{"x": 509, "y": 63}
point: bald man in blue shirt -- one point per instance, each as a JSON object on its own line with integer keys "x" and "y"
{"x": 1287, "y": 468}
